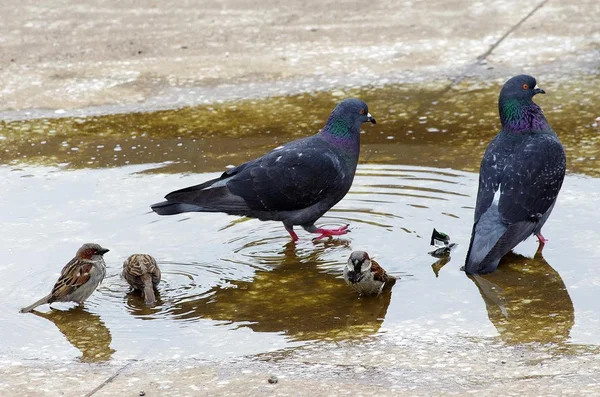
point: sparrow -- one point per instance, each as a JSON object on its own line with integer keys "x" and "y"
{"x": 78, "y": 279}
{"x": 365, "y": 275}
{"x": 142, "y": 273}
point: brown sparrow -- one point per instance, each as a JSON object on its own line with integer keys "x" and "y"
{"x": 78, "y": 279}
{"x": 142, "y": 273}
{"x": 365, "y": 275}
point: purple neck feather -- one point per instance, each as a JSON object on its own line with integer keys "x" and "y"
{"x": 522, "y": 117}
{"x": 341, "y": 135}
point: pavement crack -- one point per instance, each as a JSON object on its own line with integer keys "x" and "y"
{"x": 108, "y": 380}
{"x": 511, "y": 30}
{"x": 487, "y": 53}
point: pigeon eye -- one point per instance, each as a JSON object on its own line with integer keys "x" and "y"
{"x": 362, "y": 111}
{"x": 525, "y": 86}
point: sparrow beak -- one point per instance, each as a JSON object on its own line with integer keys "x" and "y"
{"x": 538, "y": 91}
{"x": 103, "y": 251}
{"x": 371, "y": 119}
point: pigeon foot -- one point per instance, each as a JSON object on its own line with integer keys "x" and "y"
{"x": 331, "y": 232}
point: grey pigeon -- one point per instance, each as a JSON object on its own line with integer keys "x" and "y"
{"x": 295, "y": 183}
{"x": 521, "y": 174}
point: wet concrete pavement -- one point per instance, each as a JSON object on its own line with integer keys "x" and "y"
{"x": 425, "y": 365}
{"x": 62, "y": 56}
{"x": 65, "y": 58}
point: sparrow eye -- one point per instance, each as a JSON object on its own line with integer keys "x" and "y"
{"x": 525, "y": 86}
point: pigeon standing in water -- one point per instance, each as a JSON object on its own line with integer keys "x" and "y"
{"x": 295, "y": 183}
{"x": 78, "y": 279}
{"x": 521, "y": 174}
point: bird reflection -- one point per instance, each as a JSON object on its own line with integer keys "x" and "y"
{"x": 527, "y": 301}
{"x": 84, "y": 330}
{"x": 297, "y": 298}
{"x": 439, "y": 264}
{"x": 137, "y": 307}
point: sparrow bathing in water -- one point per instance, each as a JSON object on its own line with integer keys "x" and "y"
{"x": 295, "y": 183}
{"x": 78, "y": 279}
{"x": 365, "y": 275}
{"x": 142, "y": 273}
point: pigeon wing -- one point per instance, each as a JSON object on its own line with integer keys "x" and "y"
{"x": 531, "y": 182}
{"x": 290, "y": 178}
{"x": 490, "y": 175}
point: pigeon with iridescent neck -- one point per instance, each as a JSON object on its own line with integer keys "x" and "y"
{"x": 295, "y": 183}
{"x": 520, "y": 176}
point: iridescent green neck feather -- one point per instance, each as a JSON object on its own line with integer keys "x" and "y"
{"x": 522, "y": 116}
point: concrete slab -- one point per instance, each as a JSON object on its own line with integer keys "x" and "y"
{"x": 126, "y": 56}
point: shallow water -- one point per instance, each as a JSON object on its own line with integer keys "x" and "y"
{"x": 233, "y": 286}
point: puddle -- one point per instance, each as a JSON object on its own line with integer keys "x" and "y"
{"x": 420, "y": 125}
{"x": 233, "y": 286}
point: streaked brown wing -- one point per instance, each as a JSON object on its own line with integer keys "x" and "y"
{"x": 378, "y": 273}
{"x": 74, "y": 275}
{"x": 138, "y": 265}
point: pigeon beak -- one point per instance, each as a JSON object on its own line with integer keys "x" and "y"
{"x": 371, "y": 119}
{"x": 538, "y": 91}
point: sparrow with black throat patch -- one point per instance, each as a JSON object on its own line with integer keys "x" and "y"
{"x": 365, "y": 275}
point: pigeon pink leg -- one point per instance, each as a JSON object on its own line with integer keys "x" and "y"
{"x": 290, "y": 230}
{"x": 541, "y": 238}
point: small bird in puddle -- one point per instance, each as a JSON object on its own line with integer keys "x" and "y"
{"x": 142, "y": 273}
{"x": 78, "y": 279}
{"x": 295, "y": 183}
{"x": 365, "y": 275}
{"x": 520, "y": 176}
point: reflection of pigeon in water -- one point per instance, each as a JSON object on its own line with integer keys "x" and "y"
{"x": 295, "y": 183}
{"x": 527, "y": 300}
{"x": 365, "y": 275}
{"x": 520, "y": 176}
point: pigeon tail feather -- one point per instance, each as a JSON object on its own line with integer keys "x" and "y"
{"x": 213, "y": 183}
{"x": 486, "y": 233}
{"x": 492, "y": 239}
{"x": 44, "y": 300}
{"x": 172, "y": 208}
{"x": 514, "y": 234}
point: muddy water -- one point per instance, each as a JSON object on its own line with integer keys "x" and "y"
{"x": 233, "y": 286}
